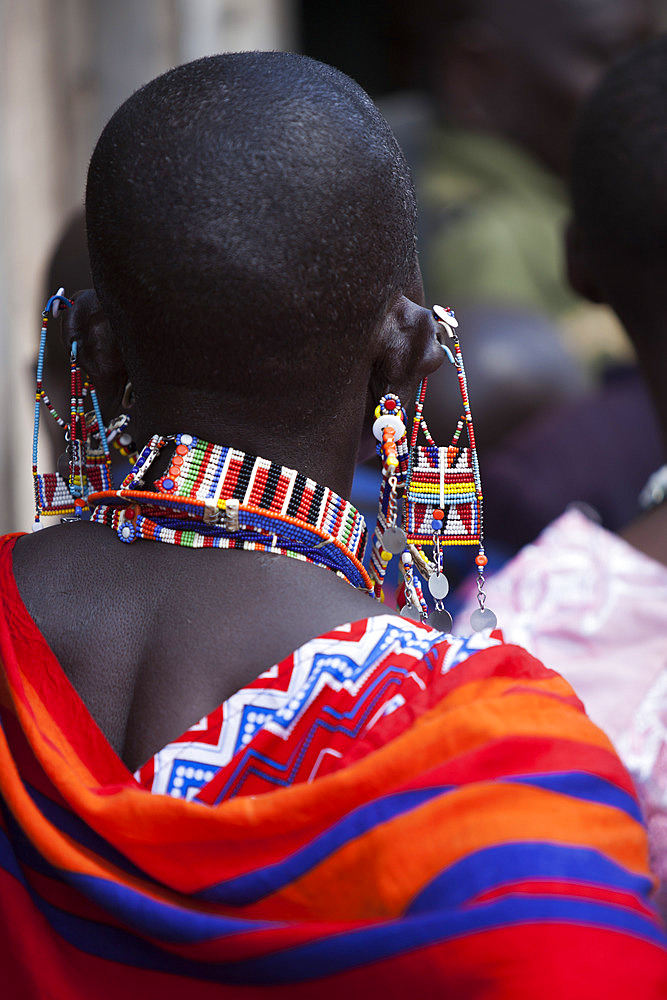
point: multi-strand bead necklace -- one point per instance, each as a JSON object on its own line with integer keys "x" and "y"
{"x": 212, "y": 496}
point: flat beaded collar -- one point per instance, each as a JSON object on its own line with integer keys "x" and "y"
{"x": 214, "y": 496}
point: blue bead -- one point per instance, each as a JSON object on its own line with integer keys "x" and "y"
{"x": 436, "y": 524}
{"x": 168, "y": 484}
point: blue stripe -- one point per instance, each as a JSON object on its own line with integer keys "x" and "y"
{"x": 507, "y": 863}
{"x": 80, "y": 832}
{"x": 255, "y": 885}
{"x": 345, "y": 951}
{"x": 586, "y": 786}
{"x": 154, "y": 918}
{"x": 372, "y": 944}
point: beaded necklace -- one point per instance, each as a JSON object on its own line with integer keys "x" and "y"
{"x": 214, "y": 496}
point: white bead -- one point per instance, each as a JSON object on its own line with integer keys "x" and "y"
{"x": 388, "y": 420}
{"x": 187, "y": 439}
{"x": 447, "y": 317}
{"x": 55, "y": 308}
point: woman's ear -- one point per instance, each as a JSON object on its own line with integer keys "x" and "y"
{"x": 409, "y": 348}
{"x": 97, "y": 350}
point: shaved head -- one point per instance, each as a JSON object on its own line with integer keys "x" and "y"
{"x": 244, "y": 211}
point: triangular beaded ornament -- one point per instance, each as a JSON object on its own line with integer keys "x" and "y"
{"x": 86, "y": 437}
{"x": 442, "y": 501}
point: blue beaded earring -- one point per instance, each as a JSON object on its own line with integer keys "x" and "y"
{"x": 64, "y": 494}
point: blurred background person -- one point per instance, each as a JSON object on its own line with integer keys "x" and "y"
{"x": 593, "y": 604}
{"x": 507, "y": 79}
{"x": 550, "y": 372}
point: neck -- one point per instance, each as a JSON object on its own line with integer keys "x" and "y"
{"x": 650, "y": 342}
{"x": 323, "y": 447}
{"x": 216, "y": 496}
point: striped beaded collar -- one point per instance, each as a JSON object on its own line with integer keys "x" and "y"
{"x": 220, "y": 497}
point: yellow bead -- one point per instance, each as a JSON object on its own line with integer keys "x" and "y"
{"x": 378, "y": 411}
{"x": 392, "y": 462}
{"x": 385, "y": 556}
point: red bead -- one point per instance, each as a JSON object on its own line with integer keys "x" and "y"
{"x": 390, "y": 404}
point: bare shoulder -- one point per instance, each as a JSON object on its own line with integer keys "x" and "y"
{"x": 64, "y": 560}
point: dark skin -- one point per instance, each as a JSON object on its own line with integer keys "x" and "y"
{"x": 521, "y": 69}
{"x": 633, "y": 286}
{"x": 153, "y": 636}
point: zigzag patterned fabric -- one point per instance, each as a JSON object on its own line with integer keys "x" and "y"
{"x": 442, "y": 478}
{"x": 434, "y": 818}
{"x": 287, "y": 702}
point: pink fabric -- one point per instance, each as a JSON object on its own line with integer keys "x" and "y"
{"x": 595, "y": 609}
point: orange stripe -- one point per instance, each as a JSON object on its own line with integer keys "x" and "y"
{"x": 378, "y": 874}
{"x": 439, "y": 735}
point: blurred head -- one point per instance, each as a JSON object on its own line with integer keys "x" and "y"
{"x": 251, "y": 221}
{"x": 617, "y": 242}
{"x": 521, "y": 68}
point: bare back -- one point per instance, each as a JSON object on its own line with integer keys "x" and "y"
{"x": 153, "y": 636}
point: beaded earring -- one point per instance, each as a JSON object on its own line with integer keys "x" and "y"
{"x": 442, "y": 499}
{"x": 63, "y": 493}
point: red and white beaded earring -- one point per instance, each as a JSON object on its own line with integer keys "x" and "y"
{"x": 442, "y": 498}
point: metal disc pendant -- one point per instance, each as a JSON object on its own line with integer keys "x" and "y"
{"x": 394, "y": 540}
{"x": 409, "y": 612}
{"x": 483, "y": 618}
{"x": 440, "y": 620}
{"x": 438, "y": 584}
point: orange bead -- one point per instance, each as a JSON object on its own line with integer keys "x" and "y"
{"x": 481, "y": 560}
{"x": 438, "y": 513}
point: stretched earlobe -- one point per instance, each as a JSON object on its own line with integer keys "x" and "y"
{"x": 86, "y": 323}
{"x": 410, "y": 343}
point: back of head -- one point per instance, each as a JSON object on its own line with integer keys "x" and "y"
{"x": 619, "y": 158}
{"x": 249, "y": 216}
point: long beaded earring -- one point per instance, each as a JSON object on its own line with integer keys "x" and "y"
{"x": 442, "y": 501}
{"x": 87, "y": 440}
